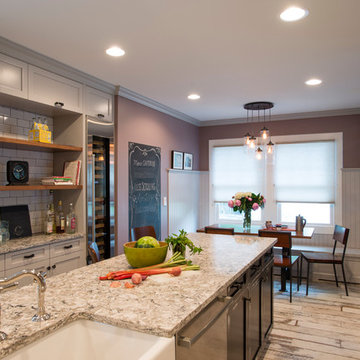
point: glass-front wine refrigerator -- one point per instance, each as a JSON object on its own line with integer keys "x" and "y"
{"x": 100, "y": 187}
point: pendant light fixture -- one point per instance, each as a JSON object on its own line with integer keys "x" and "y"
{"x": 258, "y": 153}
{"x": 250, "y": 140}
{"x": 270, "y": 147}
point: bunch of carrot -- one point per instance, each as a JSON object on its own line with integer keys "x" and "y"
{"x": 174, "y": 266}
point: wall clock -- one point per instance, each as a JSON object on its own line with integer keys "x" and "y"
{"x": 17, "y": 172}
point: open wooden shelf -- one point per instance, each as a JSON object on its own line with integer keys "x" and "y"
{"x": 39, "y": 187}
{"x": 12, "y": 143}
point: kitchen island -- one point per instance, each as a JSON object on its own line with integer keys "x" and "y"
{"x": 162, "y": 305}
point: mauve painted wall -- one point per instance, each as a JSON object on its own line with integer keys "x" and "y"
{"x": 349, "y": 125}
{"x": 141, "y": 124}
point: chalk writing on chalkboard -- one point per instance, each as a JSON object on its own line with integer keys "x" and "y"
{"x": 144, "y": 186}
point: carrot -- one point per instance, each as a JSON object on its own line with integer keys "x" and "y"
{"x": 176, "y": 260}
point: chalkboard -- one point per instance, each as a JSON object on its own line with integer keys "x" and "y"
{"x": 144, "y": 186}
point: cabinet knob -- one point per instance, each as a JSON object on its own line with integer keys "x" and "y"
{"x": 59, "y": 104}
{"x": 48, "y": 268}
{"x": 54, "y": 266}
{"x": 68, "y": 246}
{"x": 100, "y": 116}
{"x": 29, "y": 256}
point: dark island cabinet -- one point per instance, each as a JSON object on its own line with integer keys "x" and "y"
{"x": 235, "y": 325}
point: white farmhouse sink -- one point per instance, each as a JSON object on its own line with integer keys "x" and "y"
{"x": 84, "y": 339}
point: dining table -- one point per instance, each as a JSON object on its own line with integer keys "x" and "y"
{"x": 307, "y": 233}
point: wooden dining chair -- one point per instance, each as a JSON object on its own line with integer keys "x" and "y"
{"x": 285, "y": 260}
{"x": 94, "y": 252}
{"x": 139, "y": 232}
{"x": 340, "y": 235}
{"x": 216, "y": 230}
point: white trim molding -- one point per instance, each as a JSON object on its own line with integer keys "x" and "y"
{"x": 132, "y": 95}
{"x": 279, "y": 117}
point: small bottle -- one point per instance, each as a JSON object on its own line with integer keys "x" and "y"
{"x": 52, "y": 209}
{"x": 71, "y": 220}
{"x": 60, "y": 219}
{"x": 49, "y": 221}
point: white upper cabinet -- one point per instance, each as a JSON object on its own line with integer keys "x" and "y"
{"x": 13, "y": 76}
{"x": 98, "y": 104}
{"x": 55, "y": 90}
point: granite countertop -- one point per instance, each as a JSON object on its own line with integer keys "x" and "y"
{"x": 161, "y": 305}
{"x": 35, "y": 240}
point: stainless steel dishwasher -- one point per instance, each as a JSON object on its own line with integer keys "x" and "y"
{"x": 218, "y": 331}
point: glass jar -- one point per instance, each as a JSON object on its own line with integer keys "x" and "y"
{"x": 4, "y": 231}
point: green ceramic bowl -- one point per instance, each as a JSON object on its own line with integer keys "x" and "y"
{"x": 141, "y": 257}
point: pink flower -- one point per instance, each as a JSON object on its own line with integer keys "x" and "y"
{"x": 237, "y": 202}
{"x": 264, "y": 201}
{"x": 249, "y": 198}
{"x": 231, "y": 203}
{"x": 255, "y": 206}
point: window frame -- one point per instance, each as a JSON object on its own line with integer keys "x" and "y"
{"x": 271, "y": 210}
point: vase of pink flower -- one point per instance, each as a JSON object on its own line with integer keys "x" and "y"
{"x": 245, "y": 202}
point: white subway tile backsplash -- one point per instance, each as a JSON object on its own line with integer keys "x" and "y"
{"x": 19, "y": 114}
{"x": 6, "y": 128}
{"x": 23, "y": 123}
{"x": 4, "y": 110}
{"x": 29, "y": 116}
{"x": 10, "y": 121}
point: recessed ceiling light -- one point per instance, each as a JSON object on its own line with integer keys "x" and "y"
{"x": 194, "y": 97}
{"x": 293, "y": 14}
{"x": 313, "y": 82}
{"x": 115, "y": 51}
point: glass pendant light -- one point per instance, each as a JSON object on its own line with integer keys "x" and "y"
{"x": 252, "y": 142}
{"x": 270, "y": 147}
{"x": 247, "y": 137}
{"x": 258, "y": 153}
{"x": 264, "y": 133}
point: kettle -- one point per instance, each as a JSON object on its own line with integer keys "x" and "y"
{"x": 300, "y": 223}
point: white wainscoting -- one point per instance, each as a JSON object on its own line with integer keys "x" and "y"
{"x": 351, "y": 205}
{"x": 188, "y": 193}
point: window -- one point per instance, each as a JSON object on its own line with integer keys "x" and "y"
{"x": 302, "y": 177}
{"x": 315, "y": 214}
{"x": 234, "y": 169}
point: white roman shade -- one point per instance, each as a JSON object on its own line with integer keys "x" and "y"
{"x": 305, "y": 172}
{"x": 233, "y": 169}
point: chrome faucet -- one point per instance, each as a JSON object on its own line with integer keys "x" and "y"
{"x": 7, "y": 283}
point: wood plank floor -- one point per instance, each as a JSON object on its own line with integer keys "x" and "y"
{"x": 323, "y": 325}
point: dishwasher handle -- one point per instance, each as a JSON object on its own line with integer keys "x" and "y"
{"x": 187, "y": 342}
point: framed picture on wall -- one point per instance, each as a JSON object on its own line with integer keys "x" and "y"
{"x": 177, "y": 159}
{"x": 188, "y": 161}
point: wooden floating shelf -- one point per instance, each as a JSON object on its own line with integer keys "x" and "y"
{"x": 34, "y": 145}
{"x": 39, "y": 187}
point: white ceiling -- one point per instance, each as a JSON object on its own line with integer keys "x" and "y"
{"x": 229, "y": 51}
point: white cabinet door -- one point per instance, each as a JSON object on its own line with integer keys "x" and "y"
{"x": 99, "y": 104}
{"x": 55, "y": 90}
{"x": 65, "y": 263}
{"x": 13, "y": 76}
{"x": 26, "y": 258}
{"x": 40, "y": 266}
